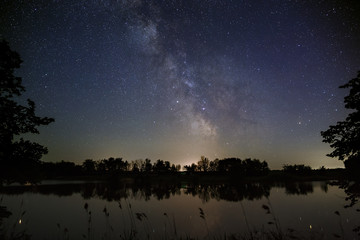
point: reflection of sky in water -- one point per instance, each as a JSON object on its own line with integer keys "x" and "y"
{"x": 308, "y": 214}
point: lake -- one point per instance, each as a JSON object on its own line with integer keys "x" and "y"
{"x": 95, "y": 210}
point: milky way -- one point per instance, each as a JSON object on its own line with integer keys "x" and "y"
{"x": 179, "y": 79}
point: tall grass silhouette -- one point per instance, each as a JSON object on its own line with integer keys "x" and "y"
{"x": 13, "y": 232}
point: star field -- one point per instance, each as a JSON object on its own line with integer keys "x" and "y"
{"x": 179, "y": 79}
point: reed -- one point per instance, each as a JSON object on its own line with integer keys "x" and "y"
{"x": 137, "y": 225}
{"x": 13, "y": 233}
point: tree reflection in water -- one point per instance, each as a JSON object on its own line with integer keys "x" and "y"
{"x": 352, "y": 190}
{"x": 164, "y": 190}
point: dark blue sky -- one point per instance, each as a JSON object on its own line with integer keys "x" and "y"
{"x": 179, "y": 79}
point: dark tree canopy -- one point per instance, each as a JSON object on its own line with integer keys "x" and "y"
{"x": 247, "y": 167}
{"x": 344, "y": 137}
{"x": 18, "y": 157}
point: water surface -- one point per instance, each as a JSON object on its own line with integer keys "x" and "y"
{"x": 56, "y": 209}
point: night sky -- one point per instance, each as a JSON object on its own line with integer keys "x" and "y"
{"x": 174, "y": 80}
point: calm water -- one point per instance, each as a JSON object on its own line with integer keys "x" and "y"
{"x": 55, "y": 210}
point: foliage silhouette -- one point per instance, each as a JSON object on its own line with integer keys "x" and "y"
{"x": 344, "y": 137}
{"x": 203, "y": 164}
{"x": 52, "y": 170}
{"x": 19, "y": 159}
{"x": 161, "y": 166}
{"x": 247, "y": 167}
{"x": 190, "y": 168}
{"x": 89, "y": 166}
{"x": 297, "y": 169}
{"x": 148, "y": 165}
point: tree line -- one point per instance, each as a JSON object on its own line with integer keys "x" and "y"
{"x": 118, "y": 166}
{"x": 227, "y": 166}
{"x": 247, "y": 167}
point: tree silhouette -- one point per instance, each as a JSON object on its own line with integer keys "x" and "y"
{"x": 203, "y": 164}
{"x": 135, "y": 167}
{"x": 297, "y": 169}
{"x": 148, "y": 165}
{"x": 18, "y": 158}
{"x": 115, "y": 165}
{"x": 213, "y": 166}
{"x": 191, "y": 168}
{"x": 161, "y": 166}
{"x": 231, "y": 165}
{"x": 247, "y": 167}
{"x": 344, "y": 137}
{"x": 89, "y": 166}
